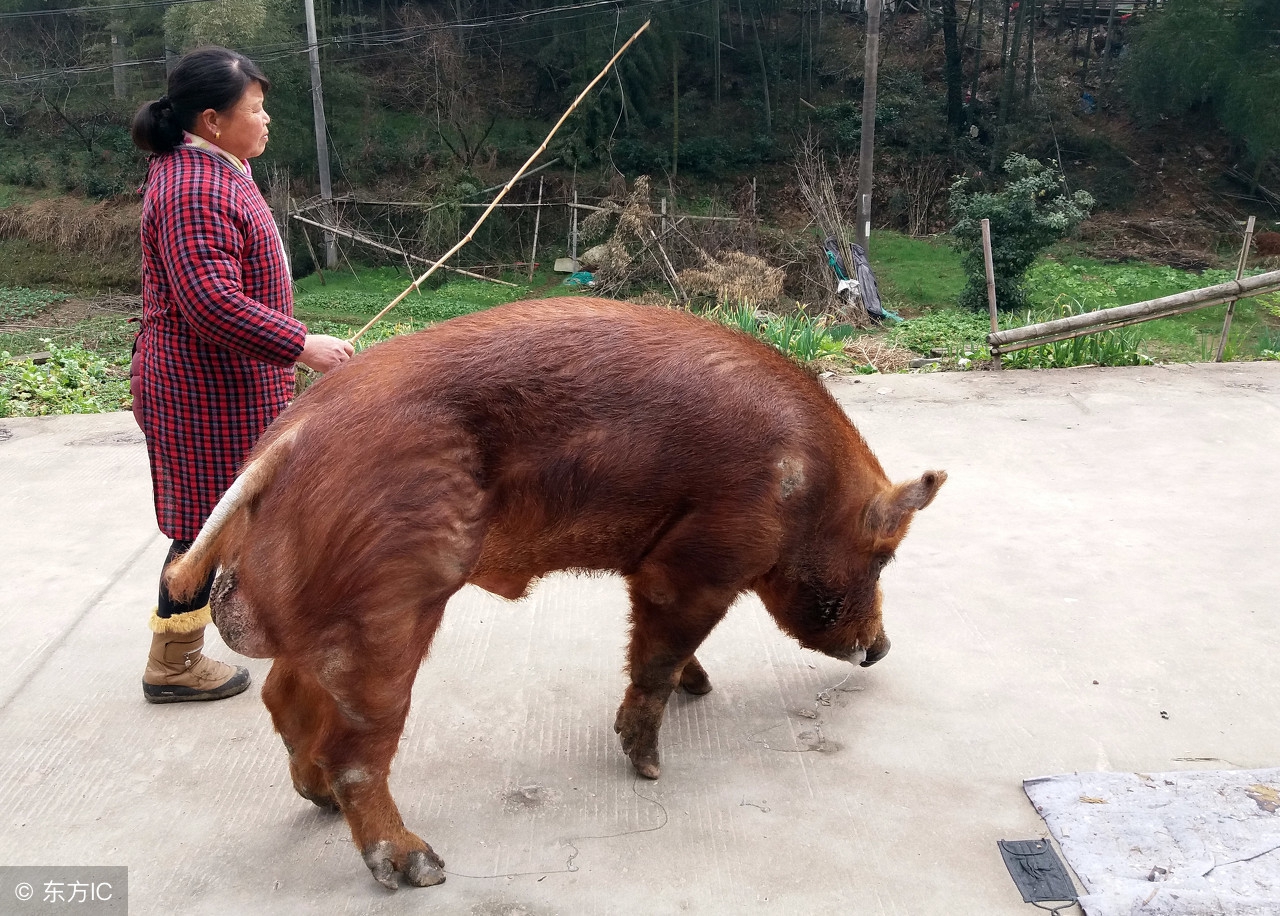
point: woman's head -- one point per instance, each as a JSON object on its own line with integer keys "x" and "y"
{"x": 212, "y": 90}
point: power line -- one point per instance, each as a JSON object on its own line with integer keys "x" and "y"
{"x": 384, "y": 38}
{"x": 141, "y": 4}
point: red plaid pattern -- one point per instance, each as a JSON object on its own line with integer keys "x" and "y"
{"x": 218, "y": 339}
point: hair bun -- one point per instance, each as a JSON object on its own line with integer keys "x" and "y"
{"x": 162, "y": 104}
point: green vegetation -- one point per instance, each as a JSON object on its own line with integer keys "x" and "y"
{"x": 1027, "y": 215}
{"x": 355, "y": 298}
{"x": 1214, "y": 54}
{"x": 69, "y": 380}
{"x": 20, "y": 302}
{"x": 1055, "y": 288}
{"x": 87, "y": 371}
{"x": 800, "y": 336}
{"x": 915, "y": 274}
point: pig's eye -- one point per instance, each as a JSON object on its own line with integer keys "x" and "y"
{"x": 878, "y": 564}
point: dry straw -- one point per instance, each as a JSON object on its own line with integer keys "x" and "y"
{"x": 869, "y": 350}
{"x": 735, "y": 278}
{"x": 72, "y": 225}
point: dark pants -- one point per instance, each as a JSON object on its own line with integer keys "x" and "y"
{"x": 168, "y": 606}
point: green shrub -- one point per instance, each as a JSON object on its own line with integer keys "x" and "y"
{"x": 1027, "y": 215}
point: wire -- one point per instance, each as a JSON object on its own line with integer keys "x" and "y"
{"x": 141, "y": 4}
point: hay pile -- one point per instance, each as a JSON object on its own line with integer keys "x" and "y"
{"x": 735, "y": 278}
{"x": 95, "y": 228}
{"x": 869, "y": 350}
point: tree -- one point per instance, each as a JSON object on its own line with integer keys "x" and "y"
{"x": 951, "y": 44}
{"x": 1027, "y": 215}
{"x": 1213, "y": 53}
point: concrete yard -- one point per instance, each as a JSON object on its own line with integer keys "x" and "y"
{"x": 1095, "y": 588}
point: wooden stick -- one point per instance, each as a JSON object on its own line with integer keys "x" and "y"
{"x": 363, "y": 240}
{"x": 514, "y": 178}
{"x": 991, "y": 283}
{"x": 310, "y": 250}
{"x": 537, "y": 222}
{"x": 1231, "y": 306}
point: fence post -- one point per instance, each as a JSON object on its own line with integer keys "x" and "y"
{"x": 991, "y": 285}
{"x": 573, "y": 232}
{"x": 1231, "y": 306}
{"x": 537, "y": 221}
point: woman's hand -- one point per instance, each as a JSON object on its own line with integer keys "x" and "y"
{"x": 322, "y": 352}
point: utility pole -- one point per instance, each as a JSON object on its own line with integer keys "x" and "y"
{"x": 322, "y": 140}
{"x": 867, "y": 149}
{"x": 120, "y": 84}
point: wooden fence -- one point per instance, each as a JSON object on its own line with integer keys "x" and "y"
{"x": 1034, "y": 335}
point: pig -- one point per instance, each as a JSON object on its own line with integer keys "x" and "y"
{"x": 689, "y": 458}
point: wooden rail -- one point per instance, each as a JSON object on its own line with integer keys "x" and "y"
{"x": 1033, "y": 335}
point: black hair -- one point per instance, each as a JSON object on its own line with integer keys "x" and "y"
{"x": 209, "y": 77}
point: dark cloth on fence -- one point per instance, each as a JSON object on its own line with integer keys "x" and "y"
{"x": 218, "y": 340}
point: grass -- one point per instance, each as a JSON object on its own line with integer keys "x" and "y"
{"x": 89, "y": 368}
{"x": 914, "y": 274}
{"x": 345, "y": 295}
{"x": 24, "y": 263}
{"x": 923, "y": 277}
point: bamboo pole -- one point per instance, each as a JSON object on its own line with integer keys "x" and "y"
{"x": 363, "y": 240}
{"x": 991, "y": 283}
{"x": 537, "y": 222}
{"x": 1123, "y": 315}
{"x": 573, "y": 230}
{"x": 310, "y": 250}
{"x": 1231, "y": 306}
{"x": 514, "y": 178}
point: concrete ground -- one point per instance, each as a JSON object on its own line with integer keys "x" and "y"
{"x": 1095, "y": 588}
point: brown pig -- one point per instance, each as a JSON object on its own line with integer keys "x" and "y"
{"x": 570, "y": 433}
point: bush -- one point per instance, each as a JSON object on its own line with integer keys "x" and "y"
{"x": 1028, "y": 215}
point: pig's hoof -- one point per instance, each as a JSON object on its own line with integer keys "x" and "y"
{"x": 694, "y": 678}
{"x": 639, "y": 739}
{"x": 318, "y": 797}
{"x": 378, "y": 858}
{"x": 422, "y": 867}
{"x": 648, "y": 768}
{"x": 324, "y": 802}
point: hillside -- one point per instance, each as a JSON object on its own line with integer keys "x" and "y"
{"x": 712, "y": 104}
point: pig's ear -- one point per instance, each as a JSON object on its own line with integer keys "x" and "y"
{"x": 891, "y": 508}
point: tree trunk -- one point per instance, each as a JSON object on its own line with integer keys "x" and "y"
{"x": 675, "y": 110}
{"x": 764, "y": 78}
{"x": 977, "y": 57}
{"x": 1031, "y": 47}
{"x": 1088, "y": 42}
{"x": 951, "y": 44}
{"x": 1106, "y": 49}
{"x": 1006, "y": 89}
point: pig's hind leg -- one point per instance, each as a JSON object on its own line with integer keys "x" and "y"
{"x": 301, "y": 710}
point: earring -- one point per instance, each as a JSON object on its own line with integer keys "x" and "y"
{"x": 217, "y": 135}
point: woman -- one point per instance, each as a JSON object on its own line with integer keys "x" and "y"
{"x": 218, "y": 344}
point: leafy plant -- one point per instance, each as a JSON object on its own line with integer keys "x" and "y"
{"x": 20, "y": 302}
{"x": 799, "y": 336}
{"x": 70, "y": 380}
{"x": 951, "y": 330}
{"x": 1027, "y": 215}
{"x": 1118, "y": 347}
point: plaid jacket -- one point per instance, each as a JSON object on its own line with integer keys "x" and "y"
{"x": 218, "y": 339}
